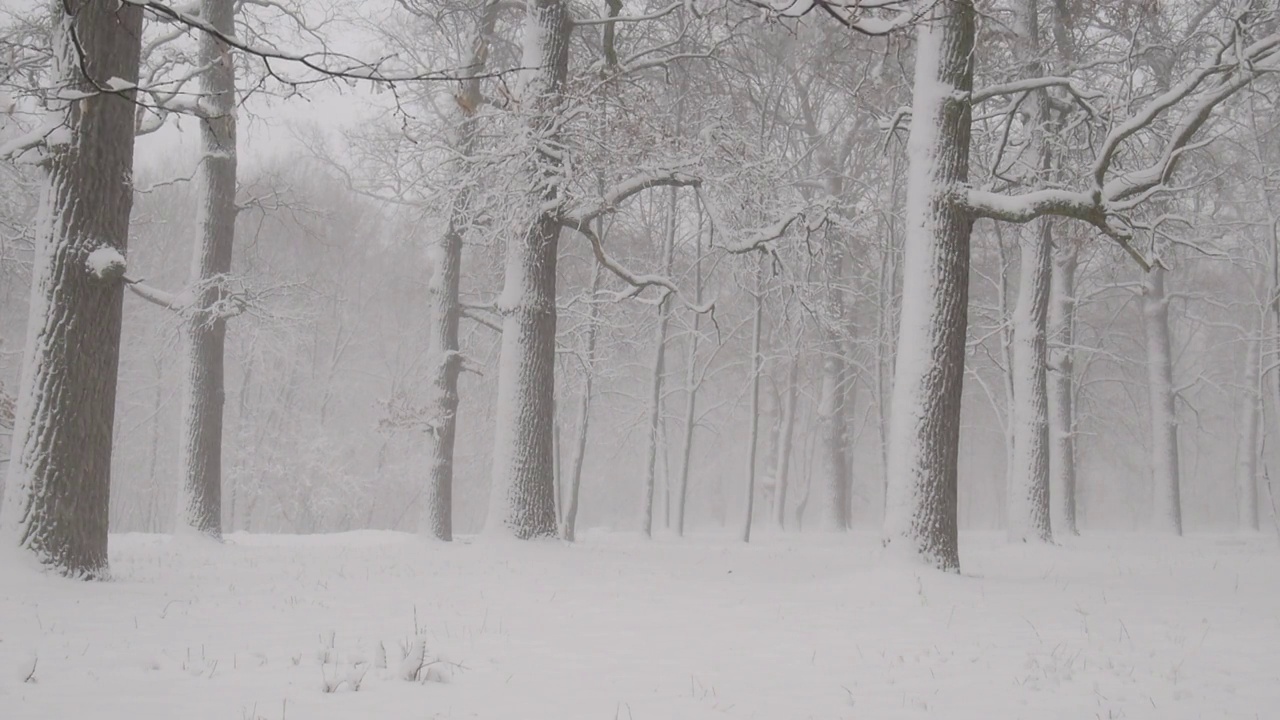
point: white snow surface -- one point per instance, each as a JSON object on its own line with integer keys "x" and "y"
{"x": 105, "y": 261}
{"x": 1114, "y": 626}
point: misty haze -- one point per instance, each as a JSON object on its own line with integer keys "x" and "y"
{"x": 639, "y": 359}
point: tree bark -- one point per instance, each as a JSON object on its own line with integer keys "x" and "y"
{"x": 1028, "y": 498}
{"x": 1061, "y": 381}
{"x": 57, "y": 497}
{"x": 924, "y": 433}
{"x": 1166, "y": 503}
{"x": 205, "y": 327}
{"x": 442, "y": 331}
{"x": 522, "y": 495}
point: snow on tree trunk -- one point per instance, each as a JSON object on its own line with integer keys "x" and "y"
{"x": 782, "y": 470}
{"x": 657, "y": 372}
{"x": 757, "y": 331}
{"x": 833, "y": 433}
{"x": 57, "y": 493}
{"x": 1028, "y": 497}
{"x": 569, "y": 530}
{"x": 1061, "y": 382}
{"x": 924, "y": 434}
{"x": 522, "y": 493}
{"x": 442, "y": 332}
{"x": 1248, "y": 447}
{"x": 205, "y": 327}
{"x": 1166, "y": 503}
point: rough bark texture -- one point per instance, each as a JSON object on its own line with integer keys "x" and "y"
{"x": 1247, "y": 449}
{"x": 924, "y": 433}
{"x": 58, "y": 490}
{"x": 1028, "y": 497}
{"x": 203, "y": 397}
{"x": 442, "y": 332}
{"x": 657, "y": 374}
{"x": 1166, "y": 503}
{"x": 1061, "y": 381}
{"x": 522, "y": 501}
{"x": 833, "y": 466}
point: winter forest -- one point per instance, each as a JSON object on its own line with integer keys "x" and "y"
{"x": 639, "y": 359}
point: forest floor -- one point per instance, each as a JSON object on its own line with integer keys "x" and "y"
{"x": 1111, "y": 626}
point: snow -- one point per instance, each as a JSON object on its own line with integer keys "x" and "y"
{"x": 106, "y": 263}
{"x": 796, "y": 627}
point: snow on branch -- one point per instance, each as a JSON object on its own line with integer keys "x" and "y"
{"x": 616, "y": 194}
{"x": 868, "y": 17}
{"x": 326, "y": 63}
{"x": 638, "y": 282}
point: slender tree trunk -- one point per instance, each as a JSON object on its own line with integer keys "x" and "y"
{"x": 657, "y": 373}
{"x": 786, "y": 432}
{"x": 1028, "y": 514}
{"x": 690, "y": 392}
{"x": 203, "y": 397}
{"x": 1247, "y": 451}
{"x": 57, "y": 497}
{"x": 757, "y": 363}
{"x": 1166, "y": 502}
{"x": 442, "y": 332}
{"x": 924, "y": 435}
{"x": 522, "y": 495}
{"x": 568, "y": 532}
{"x": 834, "y": 428}
{"x": 1061, "y": 381}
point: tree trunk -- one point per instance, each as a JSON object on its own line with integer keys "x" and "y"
{"x": 1248, "y": 447}
{"x": 203, "y": 397}
{"x": 569, "y": 531}
{"x": 57, "y": 498}
{"x": 690, "y": 390}
{"x": 442, "y": 332}
{"x": 522, "y": 494}
{"x": 834, "y": 433}
{"x": 924, "y": 435}
{"x": 1166, "y": 503}
{"x": 786, "y": 432}
{"x": 656, "y": 375}
{"x": 1028, "y": 499}
{"x": 757, "y": 328}
{"x": 1061, "y": 381}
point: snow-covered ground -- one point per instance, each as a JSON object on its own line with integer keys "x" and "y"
{"x": 1113, "y": 626}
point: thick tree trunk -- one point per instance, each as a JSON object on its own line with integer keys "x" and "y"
{"x": 1166, "y": 502}
{"x": 924, "y": 435}
{"x": 58, "y": 491}
{"x": 1061, "y": 381}
{"x": 657, "y": 373}
{"x": 782, "y": 470}
{"x": 570, "y": 528}
{"x": 1028, "y": 499}
{"x": 442, "y": 333}
{"x": 522, "y": 494}
{"x": 1028, "y": 488}
{"x": 203, "y": 397}
{"x": 1247, "y": 450}
{"x": 757, "y": 362}
{"x": 690, "y": 393}
{"x": 834, "y": 432}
